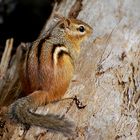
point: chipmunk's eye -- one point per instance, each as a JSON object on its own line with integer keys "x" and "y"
{"x": 81, "y": 28}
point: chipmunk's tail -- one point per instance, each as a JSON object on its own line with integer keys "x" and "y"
{"x": 21, "y": 111}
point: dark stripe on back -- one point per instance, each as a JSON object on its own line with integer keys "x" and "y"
{"x": 39, "y": 49}
{"x": 26, "y": 69}
{"x": 30, "y": 47}
{"x": 60, "y": 54}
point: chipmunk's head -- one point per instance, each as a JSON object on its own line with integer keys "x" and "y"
{"x": 75, "y": 30}
{"x": 78, "y": 29}
{"x": 72, "y": 29}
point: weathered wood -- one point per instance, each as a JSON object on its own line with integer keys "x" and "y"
{"x": 10, "y": 87}
{"x": 107, "y": 75}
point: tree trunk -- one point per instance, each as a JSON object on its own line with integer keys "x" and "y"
{"x": 107, "y": 77}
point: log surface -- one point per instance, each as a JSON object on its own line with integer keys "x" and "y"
{"x": 107, "y": 77}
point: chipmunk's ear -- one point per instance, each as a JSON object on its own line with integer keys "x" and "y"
{"x": 65, "y": 24}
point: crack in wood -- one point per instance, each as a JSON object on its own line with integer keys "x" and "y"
{"x": 78, "y": 103}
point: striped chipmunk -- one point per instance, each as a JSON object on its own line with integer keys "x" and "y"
{"x": 46, "y": 72}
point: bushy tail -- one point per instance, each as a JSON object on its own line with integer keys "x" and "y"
{"x": 20, "y": 111}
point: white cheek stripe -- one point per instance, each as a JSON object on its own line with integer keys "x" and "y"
{"x": 56, "y": 53}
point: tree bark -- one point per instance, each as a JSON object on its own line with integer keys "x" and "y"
{"x": 107, "y": 77}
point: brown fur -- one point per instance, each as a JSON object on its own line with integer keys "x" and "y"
{"x": 45, "y": 82}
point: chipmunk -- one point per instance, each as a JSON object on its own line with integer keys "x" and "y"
{"x": 46, "y": 72}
